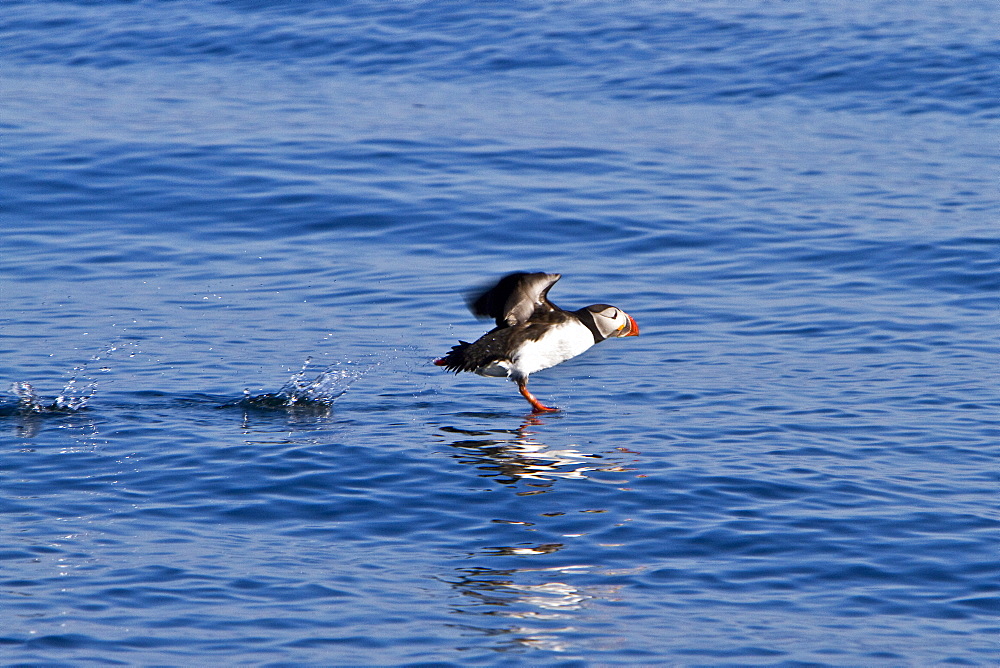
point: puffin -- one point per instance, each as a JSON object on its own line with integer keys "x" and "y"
{"x": 531, "y": 332}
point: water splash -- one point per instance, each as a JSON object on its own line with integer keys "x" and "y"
{"x": 27, "y": 398}
{"x": 74, "y": 397}
{"x": 70, "y": 400}
{"x": 300, "y": 392}
{"x": 76, "y": 393}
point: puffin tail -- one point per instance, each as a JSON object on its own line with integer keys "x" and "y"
{"x": 455, "y": 360}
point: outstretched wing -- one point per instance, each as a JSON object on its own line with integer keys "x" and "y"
{"x": 515, "y": 299}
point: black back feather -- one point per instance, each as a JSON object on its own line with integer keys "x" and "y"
{"x": 498, "y": 344}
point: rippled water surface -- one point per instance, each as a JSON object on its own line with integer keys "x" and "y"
{"x": 233, "y": 236}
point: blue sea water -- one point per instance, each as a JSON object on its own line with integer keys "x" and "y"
{"x": 233, "y": 236}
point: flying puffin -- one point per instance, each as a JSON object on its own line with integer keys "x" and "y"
{"x": 532, "y": 333}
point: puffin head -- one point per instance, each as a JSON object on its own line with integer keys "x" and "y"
{"x": 612, "y": 321}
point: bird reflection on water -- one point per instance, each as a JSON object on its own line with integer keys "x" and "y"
{"x": 511, "y": 455}
{"x": 542, "y": 615}
{"x": 516, "y": 592}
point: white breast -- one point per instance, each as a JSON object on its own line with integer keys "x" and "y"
{"x": 562, "y": 342}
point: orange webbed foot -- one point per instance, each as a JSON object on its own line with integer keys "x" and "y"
{"x": 536, "y": 405}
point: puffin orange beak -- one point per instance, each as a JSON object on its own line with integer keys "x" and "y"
{"x": 633, "y": 329}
